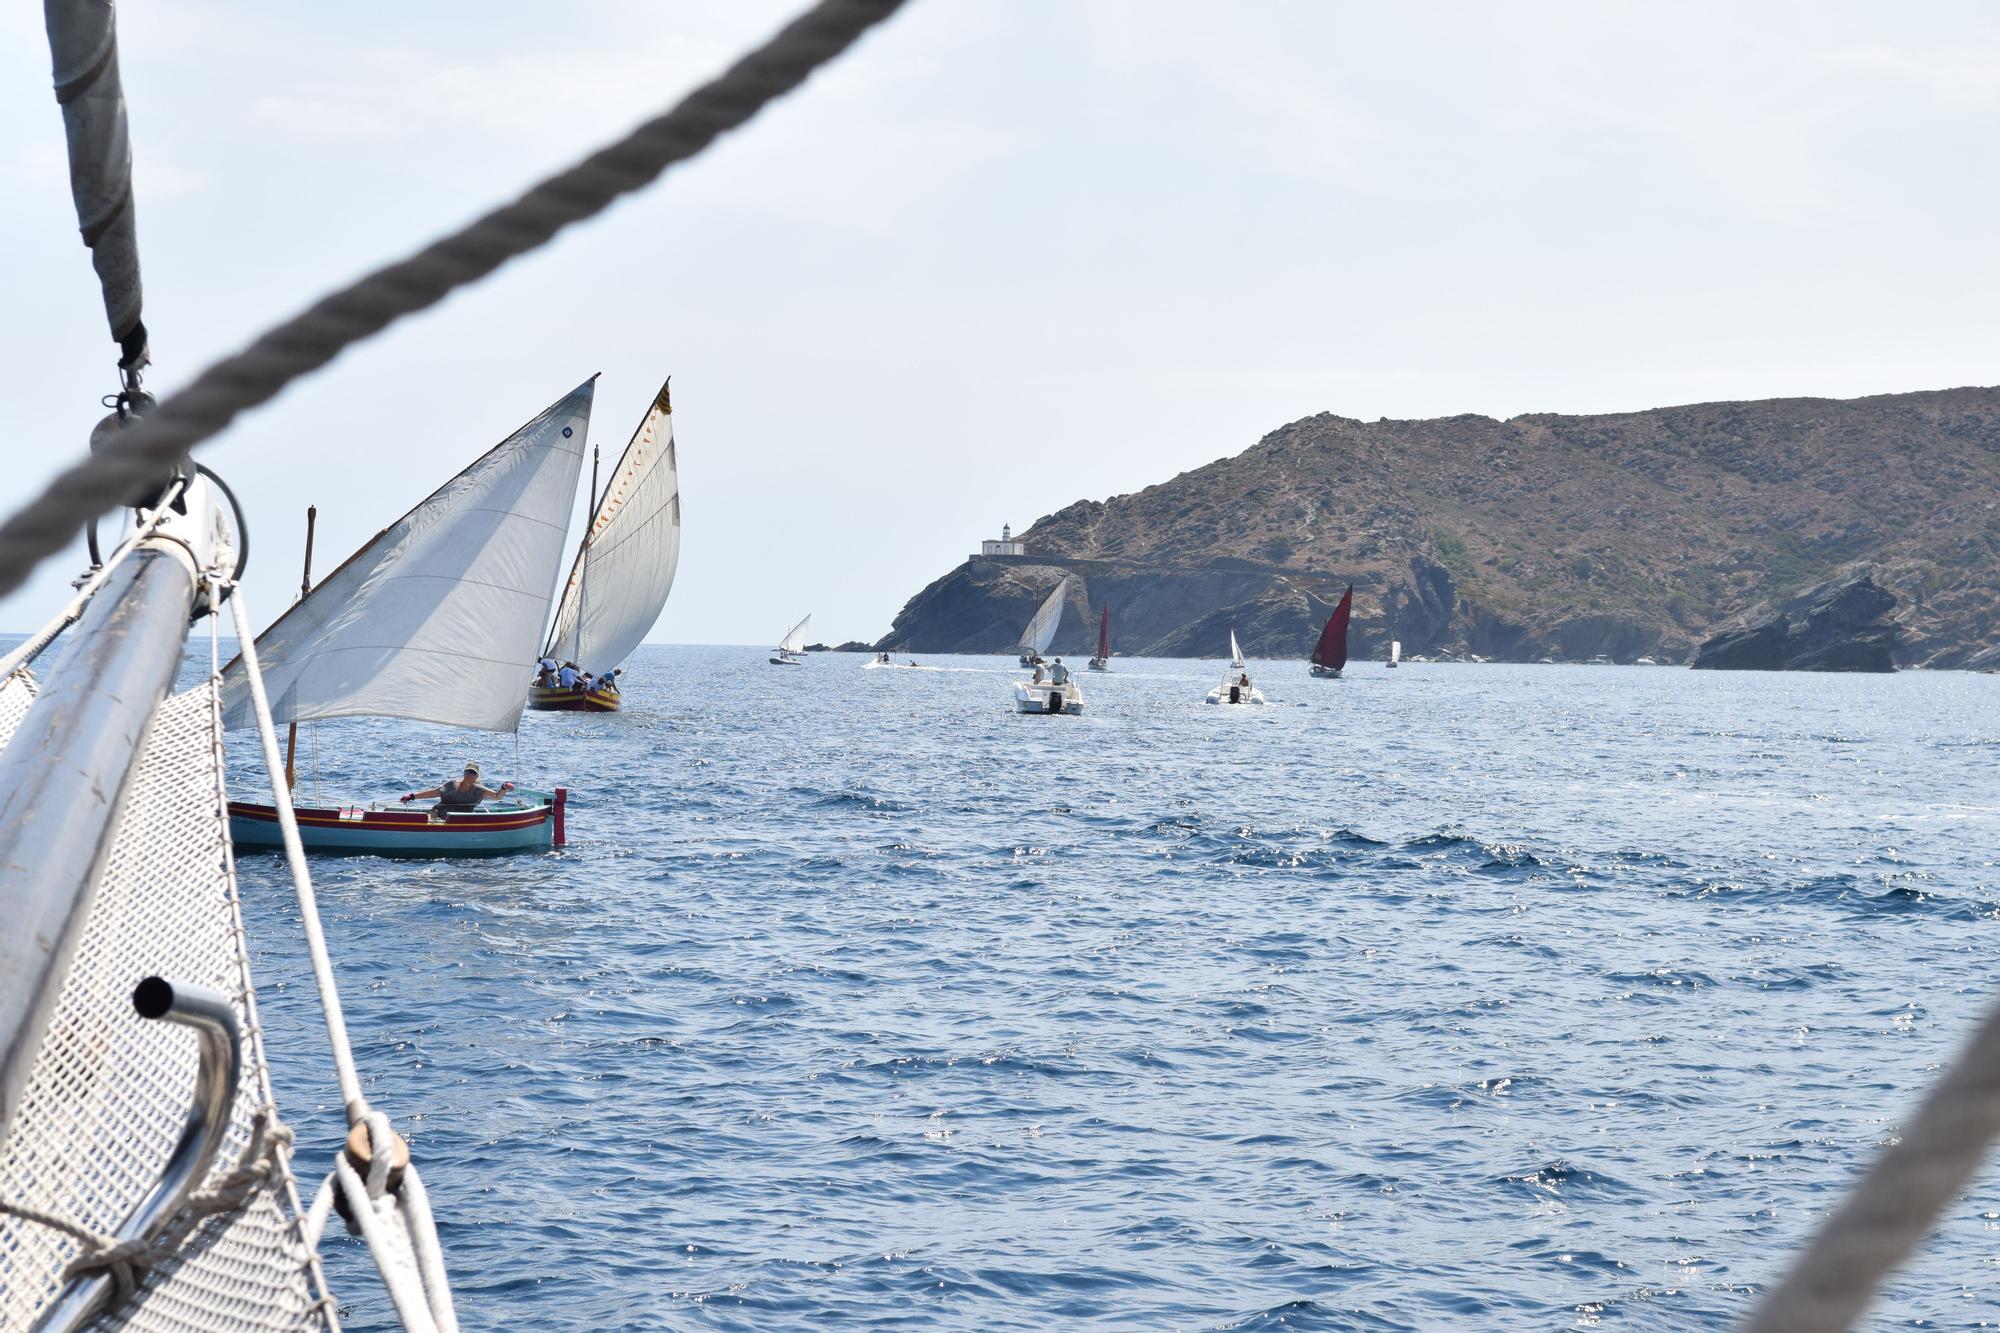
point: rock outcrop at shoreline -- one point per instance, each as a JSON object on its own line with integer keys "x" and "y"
{"x": 1843, "y": 624}
{"x": 1561, "y": 538}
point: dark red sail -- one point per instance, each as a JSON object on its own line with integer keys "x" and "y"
{"x": 1104, "y": 635}
{"x": 1331, "y": 650}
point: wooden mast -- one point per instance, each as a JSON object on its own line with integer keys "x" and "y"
{"x": 583, "y": 577}
{"x": 305, "y": 586}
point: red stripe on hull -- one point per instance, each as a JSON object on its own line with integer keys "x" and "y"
{"x": 397, "y": 820}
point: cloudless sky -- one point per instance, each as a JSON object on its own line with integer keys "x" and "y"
{"x": 1003, "y": 256}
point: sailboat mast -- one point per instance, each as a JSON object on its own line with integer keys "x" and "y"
{"x": 583, "y": 578}
{"x": 305, "y": 586}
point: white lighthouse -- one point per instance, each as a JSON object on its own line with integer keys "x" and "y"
{"x": 1005, "y": 546}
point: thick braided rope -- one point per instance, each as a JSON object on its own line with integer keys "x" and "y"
{"x": 308, "y": 341}
{"x": 1894, "y": 1205}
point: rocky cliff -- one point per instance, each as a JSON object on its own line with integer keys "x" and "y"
{"x": 1558, "y": 537}
{"x": 1844, "y": 624}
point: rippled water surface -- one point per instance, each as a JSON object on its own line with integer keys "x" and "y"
{"x": 1455, "y": 996}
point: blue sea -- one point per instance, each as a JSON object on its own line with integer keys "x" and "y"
{"x": 1456, "y": 996}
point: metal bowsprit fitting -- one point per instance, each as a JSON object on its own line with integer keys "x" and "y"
{"x": 64, "y": 774}
{"x": 212, "y": 1018}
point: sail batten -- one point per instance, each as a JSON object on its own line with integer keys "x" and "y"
{"x": 1041, "y": 630}
{"x": 436, "y": 618}
{"x": 1331, "y": 650}
{"x": 624, "y": 567}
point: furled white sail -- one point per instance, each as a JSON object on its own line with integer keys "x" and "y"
{"x": 1041, "y": 631}
{"x": 795, "y": 641}
{"x": 624, "y": 568}
{"x": 1235, "y": 653}
{"x": 436, "y": 619}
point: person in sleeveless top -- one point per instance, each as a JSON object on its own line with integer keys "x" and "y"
{"x": 460, "y": 796}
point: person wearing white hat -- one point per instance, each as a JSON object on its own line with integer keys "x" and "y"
{"x": 463, "y": 794}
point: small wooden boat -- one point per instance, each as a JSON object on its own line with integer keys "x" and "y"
{"x": 791, "y": 650}
{"x": 1329, "y": 655}
{"x": 427, "y": 623}
{"x": 1102, "y": 662}
{"x": 624, "y": 566}
{"x": 575, "y": 699}
{"x": 527, "y": 821}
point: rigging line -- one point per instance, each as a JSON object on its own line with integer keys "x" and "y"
{"x": 295, "y": 857}
{"x": 310, "y": 340}
{"x": 1893, "y": 1207}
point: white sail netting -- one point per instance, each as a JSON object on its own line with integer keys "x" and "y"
{"x": 110, "y": 1090}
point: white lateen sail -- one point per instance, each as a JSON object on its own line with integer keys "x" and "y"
{"x": 624, "y": 567}
{"x": 435, "y": 618}
{"x": 1235, "y": 653}
{"x": 795, "y": 642}
{"x": 1395, "y": 651}
{"x": 1041, "y": 630}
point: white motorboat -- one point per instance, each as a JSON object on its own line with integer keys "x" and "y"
{"x": 1237, "y": 690}
{"x": 1047, "y": 696}
{"x": 791, "y": 650}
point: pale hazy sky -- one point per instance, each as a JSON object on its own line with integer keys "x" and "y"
{"x": 1005, "y": 255}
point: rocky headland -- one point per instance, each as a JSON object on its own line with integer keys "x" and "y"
{"x": 1543, "y": 537}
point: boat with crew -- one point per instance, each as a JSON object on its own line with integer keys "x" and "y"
{"x": 622, "y": 574}
{"x": 1102, "y": 662}
{"x": 791, "y": 650}
{"x": 1237, "y": 689}
{"x": 1053, "y": 688}
{"x": 1329, "y": 655}
{"x": 402, "y": 630}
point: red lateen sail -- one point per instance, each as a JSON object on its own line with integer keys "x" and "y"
{"x": 1331, "y": 650}
{"x": 1104, "y": 635}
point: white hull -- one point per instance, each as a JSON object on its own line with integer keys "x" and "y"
{"x": 1047, "y": 697}
{"x": 1230, "y": 692}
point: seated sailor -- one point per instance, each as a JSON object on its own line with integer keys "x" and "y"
{"x": 461, "y": 795}
{"x": 567, "y": 676}
{"x": 1058, "y": 673}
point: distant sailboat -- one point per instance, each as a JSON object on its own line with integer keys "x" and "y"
{"x": 1329, "y": 655}
{"x": 1058, "y": 693}
{"x": 624, "y": 567}
{"x": 430, "y": 621}
{"x": 1102, "y": 662}
{"x": 791, "y": 649}
{"x": 1395, "y": 653}
{"x": 1041, "y": 630}
{"x": 1235, "y": 652}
